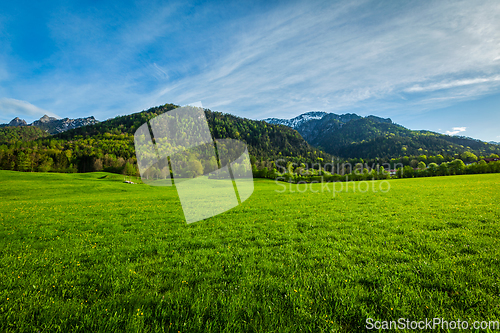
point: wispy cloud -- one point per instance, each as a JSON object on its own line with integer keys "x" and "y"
{"x": 98, "y": 66}
{"x": 338, "y": 57}
{"x": 11, "y": 108}
{"x": 452, "y": 84}
{"x": 262, "y": 60}
{"x": 456, "y": 130}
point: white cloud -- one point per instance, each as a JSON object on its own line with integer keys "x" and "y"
{"x": 161, "y": 73}
{"x": 337, "y": 57}
{"x": 302, "y": 56}
{"x": 456, "y": 130}
{"x": 11, "y": 108}
{"x": 451, "y": 84}
{"x": 97, "y": 68}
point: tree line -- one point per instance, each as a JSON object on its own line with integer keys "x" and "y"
{"x": 109, "y": 146}
{"x": 356, "y": 170}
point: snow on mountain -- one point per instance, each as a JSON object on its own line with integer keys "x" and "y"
{"x": 53, "y": 125}
{"x": 297, "y": 121}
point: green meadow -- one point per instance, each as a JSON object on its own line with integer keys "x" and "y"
{"x": 89, "y": 253}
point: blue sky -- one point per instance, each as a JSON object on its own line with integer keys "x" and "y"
{"x": 427, "y": 65}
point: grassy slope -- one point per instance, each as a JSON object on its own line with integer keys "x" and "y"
{"x": 79, "y": 253}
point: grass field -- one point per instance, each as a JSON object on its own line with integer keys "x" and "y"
{"x": 88, "y": 253}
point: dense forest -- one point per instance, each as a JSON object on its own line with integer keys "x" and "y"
{"x": 11, "y": 135}
{"x": 109, "y": 145}
{"x": 419, "y": 143}
{"x": 357, "y": 169}
{"x": 352, "y": 136}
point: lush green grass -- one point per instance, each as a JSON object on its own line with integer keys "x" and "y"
{"x": 81, "y": 253}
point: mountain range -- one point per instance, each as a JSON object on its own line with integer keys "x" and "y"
{"x": 70, "y": 145}
{"x": 353, "y": 136}
{"x": 265, "y": 141}
{"x": 109, "y": 145}
{"x": 53, "y": 125}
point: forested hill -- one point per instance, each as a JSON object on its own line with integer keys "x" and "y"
{"x": 416, "y": 144}
{"x": 109, "y": 145}
{"x": 264, "y": 140}
{"x": 10, "y": 134}
{"x": 352, "y": 136}
{"x": 366, "y": 138}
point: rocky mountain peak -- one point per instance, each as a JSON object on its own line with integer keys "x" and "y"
{"x": 53, "y": 125}
{"x": 46, "y": 119}
{"x": 18, "y": 122}
{"x": 297, "y": 121}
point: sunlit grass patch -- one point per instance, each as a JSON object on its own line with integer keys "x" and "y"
{"x": 87, "y": 252}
